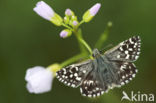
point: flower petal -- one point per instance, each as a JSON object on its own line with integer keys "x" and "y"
{"x": 44, "y": 10}
{"x": 38, "y": 79}
{"x": 95, "y": 9}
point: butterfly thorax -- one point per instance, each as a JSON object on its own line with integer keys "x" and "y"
{"x": 96, "y": 53}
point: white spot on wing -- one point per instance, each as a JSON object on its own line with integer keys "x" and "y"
{"x": 98, "y": 94}
{"x": 89, "y": 95}
{"x": 127, "y": 57}
{"x": 75, "y": 74}
{"x": 84, "y": 71}
{"x": 133, "y": 75}
{"x": 118, "y": 56}
{"x": 126, "y": 52}
{"x": 122, "y": 83}
{"x": 78, "y": 78}
{"x": 136, "y": 57}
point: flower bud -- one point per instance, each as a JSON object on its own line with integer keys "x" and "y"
{"x": 75, "y": 23}
{"x": 74, "y": 18}
{"x": 89, "y": 14}
{"x": 66, "y": 19}
{"x": 65, "y": 33}
{"x": 46, "y": 12}
{"x": 57, "y": 20}
{"x": 68, "y": 12}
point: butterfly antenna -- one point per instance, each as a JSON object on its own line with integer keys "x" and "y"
{"x": 103, "y": 49}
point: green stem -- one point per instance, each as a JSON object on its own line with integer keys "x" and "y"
{"x": 82, "y": 41}
{"x": 81, "y": 22}
{"x": 72, "y": 59}
{"x": 86, "y": 45}
{"x": 82, "y": 48}
{"x": 67, "y": 26}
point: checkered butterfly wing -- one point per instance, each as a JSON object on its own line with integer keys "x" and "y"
{"x": 122, "y": 57}
{"x": 126, "y": 71}
{"x": 84, "y": 75}
{"x": 74, "y": 74}
{"x": 127, "y": 50}
{"x": 93, "y": 85}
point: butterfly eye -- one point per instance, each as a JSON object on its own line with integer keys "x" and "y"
{"x": 93, "y": 55}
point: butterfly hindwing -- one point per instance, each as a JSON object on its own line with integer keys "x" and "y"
{"x": 73, "y": 75}
{"x": 127, "y": 72}
{"x": 124, "y": 71}
{"x": 127, "y": 50}
{"x": 92, "y": 86}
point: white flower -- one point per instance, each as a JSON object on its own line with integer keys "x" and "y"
{"x": 44, "y": 10}
{"x": 39, "y": 79}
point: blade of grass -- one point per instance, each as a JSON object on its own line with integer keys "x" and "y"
{"x": 103, "y": 36}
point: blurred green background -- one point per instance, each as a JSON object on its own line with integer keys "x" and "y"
{"x": 27, "y": 40}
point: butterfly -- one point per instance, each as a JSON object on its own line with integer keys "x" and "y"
{"x": 114, "y": 68}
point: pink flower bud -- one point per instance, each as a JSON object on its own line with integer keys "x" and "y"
{"x": 93, "y": 10}
{"x": 68, "y": 12}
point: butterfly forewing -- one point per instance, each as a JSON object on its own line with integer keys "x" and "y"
{"x": 74, "y": 74}
{"x": 127, "y": 50}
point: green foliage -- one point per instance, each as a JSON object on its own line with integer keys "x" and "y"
{"x": 27, "y": 40}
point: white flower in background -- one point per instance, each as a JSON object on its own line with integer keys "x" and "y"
{"x": 39, "y": 79}
{"x": 46, "y": 12}
{"x": 89, "y": 14}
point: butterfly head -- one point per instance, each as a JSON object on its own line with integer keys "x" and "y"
{"x": 96, "y": 53}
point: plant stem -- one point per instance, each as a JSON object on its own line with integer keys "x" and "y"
{"x": 67, "y": 26}
{"x": 81, "y": 22}
{"x": 86, "y": 45}
{"x": 82, "y": 48}
{"x": 82, "y": 41}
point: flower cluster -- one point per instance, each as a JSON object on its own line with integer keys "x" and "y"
{"x": 69, "y": 21}
{"x": 39, "y": 79}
